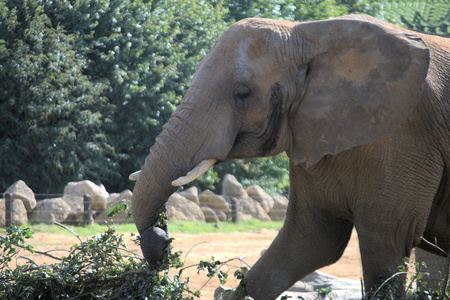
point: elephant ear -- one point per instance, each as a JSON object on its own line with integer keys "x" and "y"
{"x": 364, "y": 78}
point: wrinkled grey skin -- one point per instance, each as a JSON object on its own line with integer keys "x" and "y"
{"x": 362, "y": 109}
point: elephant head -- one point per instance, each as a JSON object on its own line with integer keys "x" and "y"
{"x": 310, "y": 89}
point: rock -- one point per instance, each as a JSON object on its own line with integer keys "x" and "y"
{"x": 113, "y": 200}
{"x": 112, "y": 197}
{"x": 221, "y": 291}
{"x": 50, "y": 210}
{"x": 309, "y": 288}
{"x": 174, "y": 215}
{"x": 19, "y": 216}
{"x": 232, "y": 188}
{"x": 260, "y": 196}
{"x": 125, "y": 195}
{"x": 210, "y": 215}
{"x": 192, "y": 211}
{"x": 220, "y": 215}
{"x": 99, "y": 195}
{"x": 214, "y": 201}
{"x": 244, "y": 217}
{"x": 278, "y": 211}
{"x": 250, "y": 207}
{"x": 21, "y": 191}
{"x": 76, "y": 204}
{"x": 191, "y": 194}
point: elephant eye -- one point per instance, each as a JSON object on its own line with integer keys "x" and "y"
{"x": 242, "y": 92}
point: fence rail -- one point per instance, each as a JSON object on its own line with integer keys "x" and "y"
{"x": 9, "y": 209}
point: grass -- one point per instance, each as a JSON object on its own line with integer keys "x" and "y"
{"x": 225, "y": 227}
{"x": 174, "y": 227}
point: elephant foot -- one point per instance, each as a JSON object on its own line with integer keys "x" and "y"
{"x": 153, "y": 245}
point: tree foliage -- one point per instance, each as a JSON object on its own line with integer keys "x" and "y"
{"x": 428, "y": 16}
{"x": 51, "y": 132}
{"x": 96, "y": 81}
{"x": 99, "y": 268}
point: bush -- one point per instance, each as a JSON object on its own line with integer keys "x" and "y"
{"x": 100, "y": 267}
{"x": 388, "y": 288}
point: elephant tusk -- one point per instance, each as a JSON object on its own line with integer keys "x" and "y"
{"x": 196, "y": 172}
{"x": 134, "y": 176}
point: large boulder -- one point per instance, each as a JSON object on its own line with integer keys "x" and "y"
{"x": 191, "y": 194}
{"x": 175, "y": 215}
{"x": 50, "y": 210}
{"x": 208, "y": 198}
{"x": 113, "y": 200}
{"x": 232, "y": 188}
{"x": 278, "y": 211}
{"x": 191, "y": 211}
{"x": 112, "y": 197}
{"x": 210, "y": 215}
{"x": 21, "y": 191}
{"x": 260, "y": 196}
{"x": 76, "y": 204}
{"x": 251, "y": 207}
{"x": 19, "y": 216}
{"x": 99, "y": 195}
{"x": 220, "y": 215}
{"x": 310, "y": 287}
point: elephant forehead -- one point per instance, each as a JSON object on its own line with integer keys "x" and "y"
{"x": 238, "y": 55}
{"x": 242, "y": 66}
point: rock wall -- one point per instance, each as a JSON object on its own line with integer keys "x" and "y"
{"x": 188, "y": 205}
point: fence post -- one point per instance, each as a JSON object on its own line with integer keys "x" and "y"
{"x": 9, "y": 209}
{"x": 234, "y": 210}
{"x": 87, "y": 214}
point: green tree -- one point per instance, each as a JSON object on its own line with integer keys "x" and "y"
{"x": 130, "y": 63}
{"x": 145, "y": 53}
{"x": 428, "y": 16}
{"x": 275, "y": 9}
{"x": 50, "y": 131}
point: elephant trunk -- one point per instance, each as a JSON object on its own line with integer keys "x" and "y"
{"x": 149, "y": 196}
{"x": 168, "y": 160}
{"x": 178, "y": 149}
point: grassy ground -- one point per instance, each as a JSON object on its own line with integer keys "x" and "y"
{"x": 174, "y": 227}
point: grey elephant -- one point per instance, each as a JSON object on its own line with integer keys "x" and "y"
{"x": 361, "y": 107}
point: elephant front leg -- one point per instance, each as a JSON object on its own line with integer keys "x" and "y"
{"x": 300, "y": 248}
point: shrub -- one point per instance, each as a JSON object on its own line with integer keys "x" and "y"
{"x": 100, "y": 268}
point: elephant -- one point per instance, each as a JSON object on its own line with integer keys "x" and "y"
{"x": 362, "y": 109}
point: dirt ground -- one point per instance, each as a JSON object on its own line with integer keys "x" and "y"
{"x": 245, "y": 245}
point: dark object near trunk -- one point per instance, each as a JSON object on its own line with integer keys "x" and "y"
{"x": 153, "y": 245}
